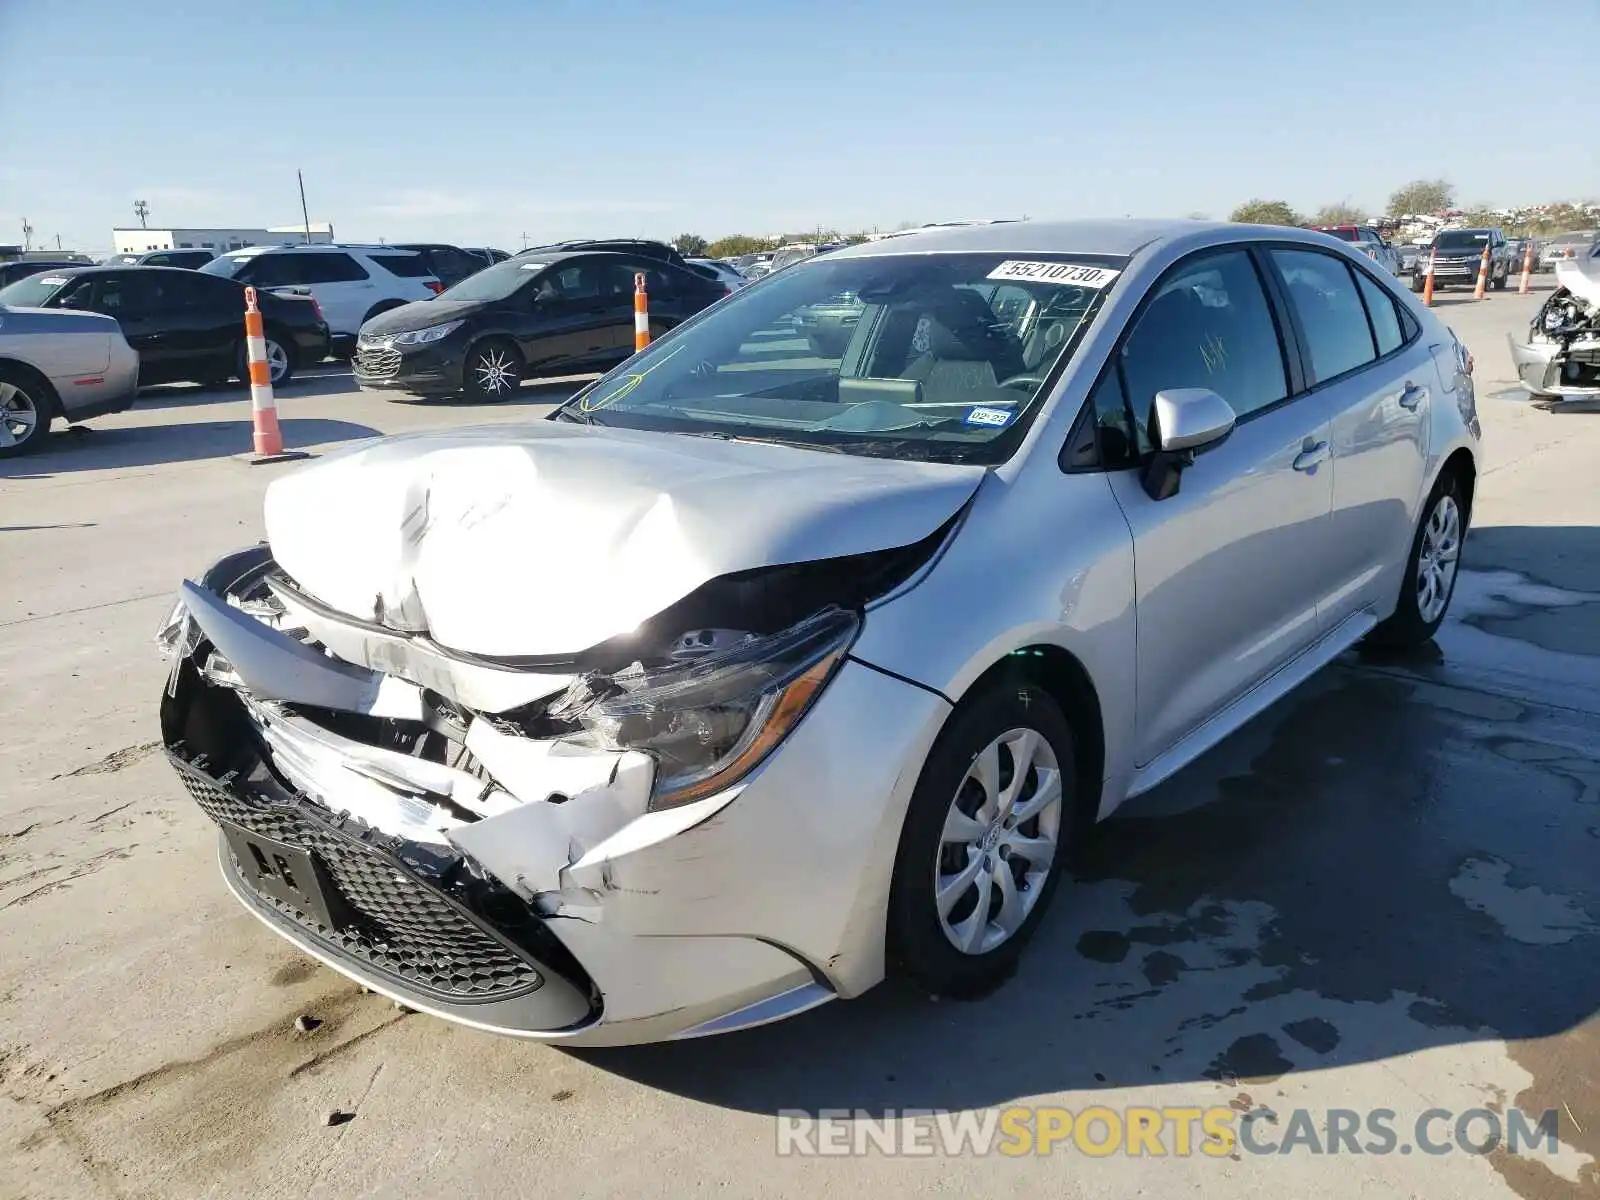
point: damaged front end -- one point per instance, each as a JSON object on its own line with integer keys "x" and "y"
{"x": 445, "y": 827}
{"x": 1561, "y": 357}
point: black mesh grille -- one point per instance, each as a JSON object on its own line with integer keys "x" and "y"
{"x": 402, "y": 926}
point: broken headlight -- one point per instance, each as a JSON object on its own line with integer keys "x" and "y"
{"x": 710, "y": 721}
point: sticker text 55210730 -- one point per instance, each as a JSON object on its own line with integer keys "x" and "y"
{"x": 1022, "y": 271}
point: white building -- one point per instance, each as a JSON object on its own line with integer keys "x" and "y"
{"x": 218, "y": 241}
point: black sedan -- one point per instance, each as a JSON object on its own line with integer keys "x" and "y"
{"x": 185, "y": 325}
{"x": 549, "y": 314}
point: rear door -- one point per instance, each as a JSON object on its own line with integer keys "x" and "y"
{"x": 1363, "y": 359}
{"x": 206, "y": 320}
{"x": 341, "y": 285}
{"x": 1228, "y": 570}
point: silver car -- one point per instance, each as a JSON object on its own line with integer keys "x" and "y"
{"x": 59, "y": 363}
{"x": 748, "y": 678}
{"x": 1560, "y": 358}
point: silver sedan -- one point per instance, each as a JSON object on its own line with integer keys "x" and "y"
{"x": 54, "y": 363}
{"x": 754, "y": 674}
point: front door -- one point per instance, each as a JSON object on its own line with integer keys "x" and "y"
{"x": 136, "y": 299}
{"x": 1227, "y": 572}
{"x": 577, "y": 313}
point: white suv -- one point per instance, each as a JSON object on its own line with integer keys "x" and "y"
{"x": 351, "y": 283}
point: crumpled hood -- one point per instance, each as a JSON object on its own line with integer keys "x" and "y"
{"x": 550, "y": 538}
{"x": 1580, "y": 276}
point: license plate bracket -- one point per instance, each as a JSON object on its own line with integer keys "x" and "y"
{"x": 289, "y": 874}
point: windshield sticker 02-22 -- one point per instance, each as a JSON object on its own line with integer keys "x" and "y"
{"x": 995, "y": 418}
{"x": 1023, "y": 271}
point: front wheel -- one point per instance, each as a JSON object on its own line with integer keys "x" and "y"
{"x": 493, "y": 371}
{"x": 1430, "y": 578}
{"x": 984, "y": 843}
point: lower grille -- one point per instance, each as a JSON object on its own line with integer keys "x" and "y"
{"x": 402, "y": 927}
{"x": 377, "y": 364}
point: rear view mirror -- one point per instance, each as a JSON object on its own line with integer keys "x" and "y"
{"x": 1184, "y": 422}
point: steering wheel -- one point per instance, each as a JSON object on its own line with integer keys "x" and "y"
{"x": 1021, "y": 380}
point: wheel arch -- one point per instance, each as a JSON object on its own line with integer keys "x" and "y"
{"x": 1062, "y": 675}
{"x": 382, "y": 306}
{"x": 47, "y": 390}
{"x": 1464, "y": 469}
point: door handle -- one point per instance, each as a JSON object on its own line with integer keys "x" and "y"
{"x": 1311, "y": 456}
{"x": 1412, "y": 396}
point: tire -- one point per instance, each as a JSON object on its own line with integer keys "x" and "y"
{"x": 280, "y": 355}
{"x": 1499, "y": 284}
{"x": 492, "y": 371}
{"x": 27, "y": 406}
{"x": 922, "y": 942}
{"x": 1436, "y": 555}
{"x": 1418, "y": 282}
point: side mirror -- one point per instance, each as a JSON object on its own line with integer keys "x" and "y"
{"x": 1184, "y": 422}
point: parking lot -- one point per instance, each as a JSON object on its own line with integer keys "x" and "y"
{"x": 1383, "y": 894}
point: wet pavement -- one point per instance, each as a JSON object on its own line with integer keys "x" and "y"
{"x": 1384, "y": 894}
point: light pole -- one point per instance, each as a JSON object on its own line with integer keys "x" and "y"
{"x": 141, "y": 210}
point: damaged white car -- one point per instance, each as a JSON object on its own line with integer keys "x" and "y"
{"x": 1561, "y": 358}
{"x": 753, "y": 674}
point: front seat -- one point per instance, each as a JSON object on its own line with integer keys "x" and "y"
{"x": 962, "y": 352}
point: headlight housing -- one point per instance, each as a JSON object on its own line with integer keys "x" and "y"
{"x": 421, "y": 337}
{"x": 712, "y": 720}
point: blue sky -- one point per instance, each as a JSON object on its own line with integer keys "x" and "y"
{"x": 482, "y": 120}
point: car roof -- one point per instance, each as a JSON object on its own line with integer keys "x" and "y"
{"x": 103, "y": 268}
{"x": 1122, "y": 237}
{"x": 302, "y": 247}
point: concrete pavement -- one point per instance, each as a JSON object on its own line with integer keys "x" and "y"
{"x": 1383, "y": 895}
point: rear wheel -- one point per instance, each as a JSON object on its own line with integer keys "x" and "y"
{"x": 27, "y": 405}
{"x": 985, "y": 841}
{"x": 1430, "y": 578}
{"x": 492, "y": 372}
{"x": 280, "y": 360}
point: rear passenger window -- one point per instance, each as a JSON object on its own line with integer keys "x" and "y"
{"x": 1330, "y": 310}
{"x": 407, "y": 266}
{"x": 332, "y": 268}
{"x": 1209, "y": 327}
{"x": 1385, "y": 316}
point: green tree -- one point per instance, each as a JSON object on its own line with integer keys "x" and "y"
{"x": 736, "y": 244}
{"x": 1338, "y": 214}
{"x": 1265, "y": 212}
{"x": 690, "y": 245}
{"x": 1422, "y": 196}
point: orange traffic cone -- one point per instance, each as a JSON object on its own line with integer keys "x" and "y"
{"x": 1483, "y": 274}
{"x": 1526, "y": 285}
{"x": 268, "y": 438}
{"x": 1427, "y": 288}
{"x": 641, "y": 314}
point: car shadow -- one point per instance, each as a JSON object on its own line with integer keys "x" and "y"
{"x": 99, "y": 448}
{"x": 532, "y": 392}
{"x": 1389, "y": 861}
{"x": 193, "y": 395}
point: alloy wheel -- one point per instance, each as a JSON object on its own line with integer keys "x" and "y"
{"x": 1437, "y": 558}
{"x": 999, "y": 841}
{"x": 494, "y": 371}
{"x": 277, "y": 362}
{"x": 19, "y": 416}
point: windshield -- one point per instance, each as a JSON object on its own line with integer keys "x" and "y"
{"x": 939, "y": 357}
{"x": 1344, "y": 235}
{"x": 496, "y": 282}
{"x": 227, "y": 265}
{"x": 1462, "y": 239}
{"x": 33, "y": 291}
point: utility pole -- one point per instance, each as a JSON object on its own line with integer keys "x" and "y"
{"x": 27, "y": 236}
{"x": 525, "y": 241}
{"x": 58, "y": 241}
{"x": 141, "y": 210}
{"x": 305, "y": 215}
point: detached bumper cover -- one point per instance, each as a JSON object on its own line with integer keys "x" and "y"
{"x": 1541, "y": 367}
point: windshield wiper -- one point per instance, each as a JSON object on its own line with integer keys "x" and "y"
{"x": 577, "y": 415}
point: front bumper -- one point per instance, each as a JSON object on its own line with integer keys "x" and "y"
{"x": 432, "y": 370}
{"x": 1545, "y": 369}
{"x": 570, "y": 913}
